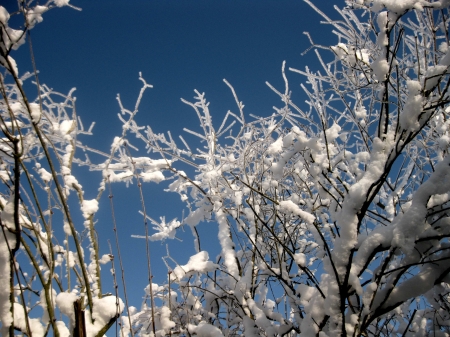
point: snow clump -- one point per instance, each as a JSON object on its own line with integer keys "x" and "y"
{"x": 197, "y": 263}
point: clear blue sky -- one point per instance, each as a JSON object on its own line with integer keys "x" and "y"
{"x": 179, "y": 46}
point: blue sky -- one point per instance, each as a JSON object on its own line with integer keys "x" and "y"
{"x": 179, "y": 46}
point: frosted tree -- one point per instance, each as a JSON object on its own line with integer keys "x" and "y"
{"x": 50, "y": 280}
{"x": 332, "y": 214}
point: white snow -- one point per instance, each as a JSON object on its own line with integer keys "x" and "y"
{"x": 156, "y": 177}
{"x": 104, "y": 309}
{"x": 106, "y": 258}
{"x": 89, "y": 207}
{"x": 4, "y": 15}
{"x": 163, "y": 230}
{"x": 197, "y": 263}
{"x": 35, "y": 112}
{"x": 380, "y": 237}
{"x": 341, "y": 50}
{"x": 204, "y": 329}
{"x": 65, "y": 301}
{"x": 288, "y": 207}
{"x": 275, "y": 147}
{"x": 413, "y": 107}
{"x": 227, "y": 245}
{"x": 333, "y": 132}
{"x": 380, "y": 68}
{"x": 412, "y": 223}
{"x": 400, "y": 6}
{"x": 61, "y": 3}
{"x": 434, "y": 75}
{"x": 45, "y": 175}
{"x": 35, "y": 325}
{"x": 261, "y": 318}
{"x": 14, "y": 68}
{"x": 165, "y": 321}
{"x": 62, "y": 328}
{"x": 300, "y": 259}
{"x": 34, "y": 15}
{"x": 360, "y": 111}
{"x": 66, "y": 127}
{"x": 117, "y": 142}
